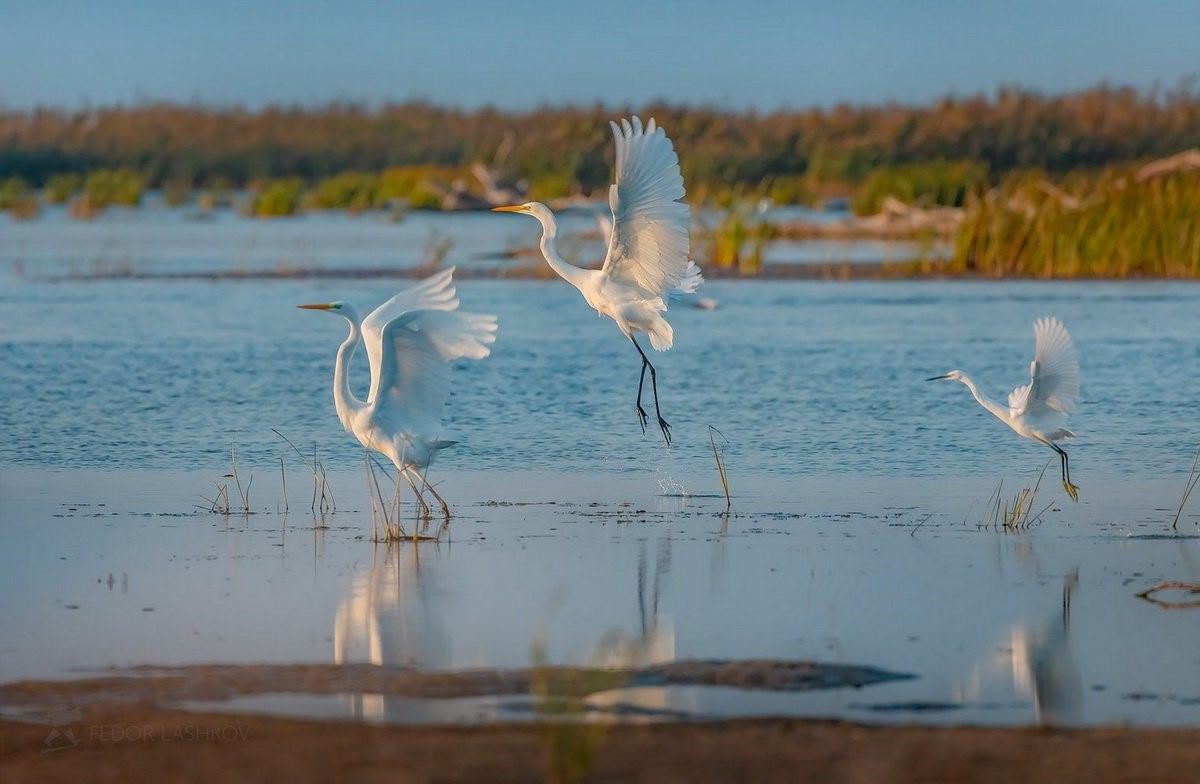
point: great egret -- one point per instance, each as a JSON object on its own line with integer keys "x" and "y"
{"x": 410, "y": 341}
{"x": 647, "y": 248}
{"x": 1038, "y": 410}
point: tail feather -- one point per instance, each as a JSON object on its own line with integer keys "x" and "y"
{"x": 662, "y": 337}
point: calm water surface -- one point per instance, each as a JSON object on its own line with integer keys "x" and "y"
{"x": 801, "y": 377}
{"x": 859, "y": 487}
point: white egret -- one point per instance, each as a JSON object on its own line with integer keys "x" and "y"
{"x": 1038, "y": 410}
{"x": 647, "y": 248}
{"x": 410, "y": 341}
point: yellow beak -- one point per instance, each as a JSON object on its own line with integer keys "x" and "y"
{"x": 513, "y": 208}
{"x": 319, "y": 306}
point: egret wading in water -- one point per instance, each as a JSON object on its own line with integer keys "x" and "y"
{"x": 410, "y": 340}
{"x": 647, "y": 248}
{"x": 1038, "y": 410}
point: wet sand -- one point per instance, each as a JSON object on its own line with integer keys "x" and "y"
{"x": 138, "y": 743}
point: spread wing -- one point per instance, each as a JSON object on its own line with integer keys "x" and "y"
{"x": 415, "y": 337}
{"x": 649, "y": 244}
{"x": 1053, "y": 374}
{"x": 433, "y": 293}
{"x": 414, "y": 375}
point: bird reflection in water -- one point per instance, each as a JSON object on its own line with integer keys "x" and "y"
{"x": 1040, "y": 662}
{"x": 389, "y": 618}
{"x": 653, "y": 644}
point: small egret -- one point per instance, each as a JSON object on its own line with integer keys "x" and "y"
{"x": 410, "y": 340}
{"x": 1038, "y": 410}
{"x": 647, "y": 247}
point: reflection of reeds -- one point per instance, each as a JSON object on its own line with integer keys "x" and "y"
{"x": 1014, "y": 515}
{"x": 1192, "y": 480}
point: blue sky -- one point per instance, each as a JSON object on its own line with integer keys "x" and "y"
{"x": 518, "y": 54}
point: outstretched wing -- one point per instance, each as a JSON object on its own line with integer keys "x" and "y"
{"x": 433, "y": 293}
{"x": 648, "y": 247}
{"x": 414, "y": 373}
{"x": 1053, "y": 374}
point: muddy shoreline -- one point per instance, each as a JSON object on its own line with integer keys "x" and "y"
{"x": 141, "y": 743}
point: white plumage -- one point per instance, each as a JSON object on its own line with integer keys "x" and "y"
{"x": 410, "y": 342}
{"x": 648, "y": 245}
{"x": 1038, "y": 410}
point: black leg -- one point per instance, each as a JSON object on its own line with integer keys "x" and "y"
{"x": 641, "y": 412}
{"x": 662, "y": 423}
{"x": 1065, "y": 462}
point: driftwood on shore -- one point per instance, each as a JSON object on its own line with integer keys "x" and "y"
{"x": 1188, "y": 160}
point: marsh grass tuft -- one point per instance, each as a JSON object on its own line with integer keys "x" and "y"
{"x": 720, "y": 464}
{"x": 1109, "y": 224}
{"x": 243, "y": 493}
{"x": 1189, "y": 486}
{"x": 387, "y": 524}
{"x": 322, "y": 499}
{"x": 1015, "y": 515}
{"x": 737, "y": 240}
{"x": 220, "y": 502}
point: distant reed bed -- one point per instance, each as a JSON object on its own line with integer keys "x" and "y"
{"x": 1110, "y": 224}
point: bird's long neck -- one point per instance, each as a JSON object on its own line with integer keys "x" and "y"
{"x": 343, "y": 399}
{"x": 997, "y": 410}
{"x": 568, "y": 272}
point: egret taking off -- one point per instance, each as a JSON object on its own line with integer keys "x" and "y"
{"x": 411, "y": 340}
{"x": 1038, "y": 410}
{"x": 647, "y": 247}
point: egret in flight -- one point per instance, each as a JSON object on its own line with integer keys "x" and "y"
{"x": 647, "y": 246}
{"x": 1038, "y": 410}
{"x": 411, "y": 340}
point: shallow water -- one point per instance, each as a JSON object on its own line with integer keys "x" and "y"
{"x": 801, "y": 377}
{"x": 891, "y": 574}
{"x": 859, "y": 487}
{"x": 153, "y": 239}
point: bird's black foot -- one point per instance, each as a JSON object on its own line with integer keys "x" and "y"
{"x": 643, "y": 420}
{"x": 1072, "y": 490}
{"x": 666, "y": 429}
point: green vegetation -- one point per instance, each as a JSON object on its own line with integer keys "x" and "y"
{"x": 1108, "y": 224}
{"x": 797, "y": 154}
{"x": 108, "y": 187}
{"x": 60, "y": 188}
{"x": 18, "y": 198}
{"x": 12, "y": 191}
{"x": 933, "y": 184}
{"x": 354, "y": 191}
{"x": 737, "y": 241}
{"x": 551, "y": 186}
{"x": 277, "y": 198}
